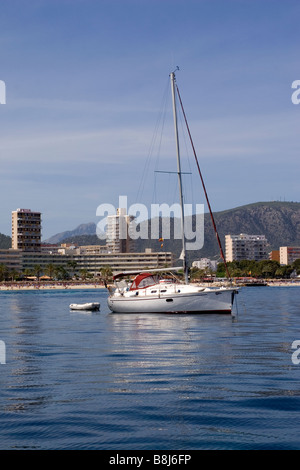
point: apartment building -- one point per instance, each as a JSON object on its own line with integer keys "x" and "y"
{"x": 243, "y": 246}
{"x": 26, "y": 230}
{"x": 288, "y": 254}
{"x": 28, "y": 252}
{"x": 117, "y": 233}
{"x": 11, "y": 259}
{"x": 205, "y": 263}
{"x": 274, "y": 255}
{"x": 93, "y": 263}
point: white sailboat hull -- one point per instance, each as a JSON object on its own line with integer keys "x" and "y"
{"x": 212, "y": 301}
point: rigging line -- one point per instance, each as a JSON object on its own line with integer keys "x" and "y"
{"x": 203, "y": 185}
{"x": 152, "y": 144}
{"x": 188, "y": 155}
{"x": 159, "y": 145}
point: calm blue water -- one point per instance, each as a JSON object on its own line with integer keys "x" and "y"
{"x": 110, "y": 381}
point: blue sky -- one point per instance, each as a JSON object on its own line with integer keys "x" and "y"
{"x": 85, "y": 80}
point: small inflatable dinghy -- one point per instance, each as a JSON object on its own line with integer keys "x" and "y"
{"x": 87, "y": 306}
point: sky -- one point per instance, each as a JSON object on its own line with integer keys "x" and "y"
{"x": 86, "y": 82}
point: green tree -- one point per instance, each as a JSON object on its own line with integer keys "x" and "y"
{"x": 283, "y": 272}
{"x": 196, "y": 273}
{"x": 61, "y": 273}
{"x": 71, "y": 266}
{"x": 84, "y": 273}
{"x": 3, "y": 272}
{"x": 37, "y": 270}
{"x": 221, "y": 271}
{"x": 27, "y": 272}
{"x": 13, "y": 274}
{"x": 296, "y": 266}
{"x": 268, "y": 268}
{"x": 50, "y": 270}
{"x": 106, "y": 274}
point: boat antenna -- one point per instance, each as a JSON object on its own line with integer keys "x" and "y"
{"x": 183, "y": 254}
{"x": 204, "y": 189}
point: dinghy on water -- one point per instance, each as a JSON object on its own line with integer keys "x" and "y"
{"x": 91, "y": 306}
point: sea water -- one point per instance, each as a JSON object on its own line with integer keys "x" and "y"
{"x": 98, "y": 380}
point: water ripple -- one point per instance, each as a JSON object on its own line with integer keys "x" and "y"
{"x": 109, "y": 381}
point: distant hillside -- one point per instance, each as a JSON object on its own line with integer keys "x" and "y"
{"x": 82, "y": 240}
{"x": 83, "y": 229}
{"x": 278, "y": 221}
{"x": 5, "y": 242}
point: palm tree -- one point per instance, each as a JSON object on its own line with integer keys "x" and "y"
{"x": 37, "y": 271}
{"x": 106, "y": 274}
{"x": 49, "y": 270}
{"x": 61, "y": 273}
{"x": 27, "y": 272}
{"x": 83, "y": 273}
{"x": 3, "y": 272}
{"x": 13, "y": 274}
{"x": 72, "y": 265}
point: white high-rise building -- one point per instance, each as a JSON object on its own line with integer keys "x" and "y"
{"x": 117, "y": 233}
{"x": 243, "y": 246}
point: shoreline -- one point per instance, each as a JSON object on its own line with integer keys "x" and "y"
{"x": 19, "y": 286}
{"x": 25, "y": 286}
{"x": 283, "y": 283}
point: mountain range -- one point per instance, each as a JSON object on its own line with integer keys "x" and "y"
{"x": 82, "y": 229}
{"x": 278, "y": 221}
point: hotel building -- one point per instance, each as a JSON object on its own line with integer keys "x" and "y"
{"x": 243, "y": 246}
{"x": 27, "y": 251}
{"x": 117, "y": 233}
{"x": 288, "y": 254}
{"x": 92, "y": 263}
{"x": 26, "y": 230}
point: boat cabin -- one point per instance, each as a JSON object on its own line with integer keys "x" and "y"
{"x": 144, "y": 280}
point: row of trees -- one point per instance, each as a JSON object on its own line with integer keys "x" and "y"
{"x": 245, "y": 268}
{"x": 259, "y": 269}
{"x": 54, "y": 272}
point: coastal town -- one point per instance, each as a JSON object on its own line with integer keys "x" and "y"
{"x": 30, "y": 264}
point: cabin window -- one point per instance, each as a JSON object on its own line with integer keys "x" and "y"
{"x": 148, "y": 281}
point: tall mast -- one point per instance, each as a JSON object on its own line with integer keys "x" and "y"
{"x": 185, "y": 268}
{"x": 205, "y": 192}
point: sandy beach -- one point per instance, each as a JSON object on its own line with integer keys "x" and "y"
{"x": 287, "y": 283}
{"x": 17, "y": 286}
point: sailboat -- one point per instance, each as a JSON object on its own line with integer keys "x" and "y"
{"x": 160, "y": 291}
